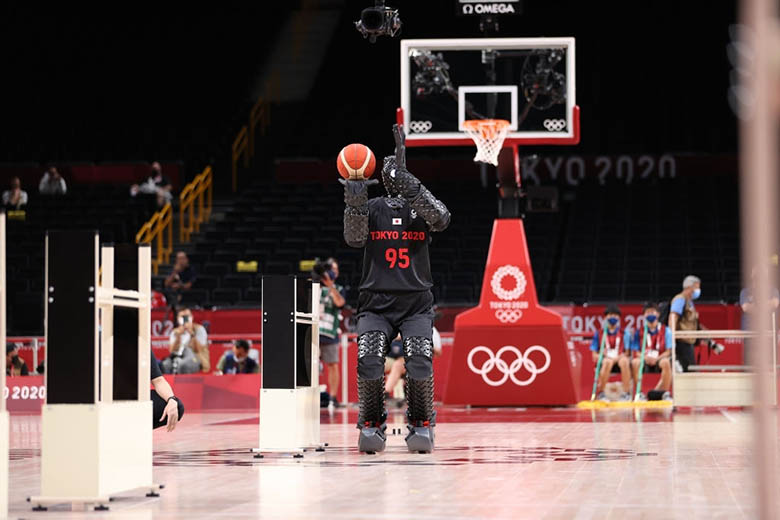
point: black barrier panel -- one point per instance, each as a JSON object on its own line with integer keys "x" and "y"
{"x": 303, "y": 289}
{"x": 126, "y": 325}
{"x": 303, "y": 346}
{"x": 303, "y": 331}
{"x": 278, "y": 331}
{"x": 71, "y": 327}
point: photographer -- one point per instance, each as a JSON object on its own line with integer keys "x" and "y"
{"x": 237, "y": 361}
{"x": 331, "y": 301}
{"x": 180, "y": 280}
{"x": 189, "y": 347}
{"x": 14, "y": 365}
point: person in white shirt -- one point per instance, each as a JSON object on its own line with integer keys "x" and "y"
{"x": 189, "y": 344}
{"x": 16, "y": 197}
{"x": 52, "y": 183}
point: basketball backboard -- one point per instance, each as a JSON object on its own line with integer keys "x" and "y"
{"x": 529, "y": 82}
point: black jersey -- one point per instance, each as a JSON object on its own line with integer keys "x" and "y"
{"x": 396, "y": 251}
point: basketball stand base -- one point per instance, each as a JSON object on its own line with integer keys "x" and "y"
{"x": 82, "y": 503}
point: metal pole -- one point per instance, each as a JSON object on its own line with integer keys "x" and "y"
{"x": 5, "y": 436}
{"x": 344, "y": 363}
{"x": 2, "y": 313}
{"x": 35, "y": 353}
{"x": 774, "y": 358}
{"x": 758, "y": 189}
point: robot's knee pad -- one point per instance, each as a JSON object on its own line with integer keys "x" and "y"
{"x": 418, "y": 354}
{"x": 372, "y": 347}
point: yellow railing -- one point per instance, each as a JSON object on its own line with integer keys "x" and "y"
{"x": 260, "y": 115}
{"x": 158, "y": 231}
{"x": 198, "y": 193}
{"x": 240, "y": 147}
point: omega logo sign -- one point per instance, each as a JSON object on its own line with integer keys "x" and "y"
{"x": 502, "y": 8}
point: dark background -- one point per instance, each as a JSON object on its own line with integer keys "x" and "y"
{"x": 130, "y": 82}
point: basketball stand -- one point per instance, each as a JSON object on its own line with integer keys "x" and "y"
{"x": 507, "y": 92}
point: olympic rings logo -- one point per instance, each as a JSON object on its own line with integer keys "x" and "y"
{"x": 508, "y": 315}
{"x": 508, "y": 371}
{"x": 420, "y": 127}
{"x": 554, "y": 125}
{"x": 498, "y": 277}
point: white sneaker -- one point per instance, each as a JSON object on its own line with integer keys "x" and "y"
{"x": 666, "y": 397}
{"x": 602, "y": 397}
{"x": 642, "y": 396}
{"x": 625, "y": 396}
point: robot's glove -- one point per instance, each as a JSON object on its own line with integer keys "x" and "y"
{"x": 356, "y": 192}
{"x": 398, "y": 180}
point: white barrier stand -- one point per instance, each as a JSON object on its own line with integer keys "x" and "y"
{"x": 4, "y": 420}
{"x": 289, "y": 393}
{"x": 96, "y": 441}
{"x": 729, "y": 386}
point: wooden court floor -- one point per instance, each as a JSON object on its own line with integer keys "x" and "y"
{"x": 489, "y": 463}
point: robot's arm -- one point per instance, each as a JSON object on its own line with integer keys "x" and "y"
{"x": 431, "y": 209}
{"x": 356, "y": 211}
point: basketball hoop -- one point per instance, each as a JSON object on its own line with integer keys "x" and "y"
{"x": 488, "y": 135}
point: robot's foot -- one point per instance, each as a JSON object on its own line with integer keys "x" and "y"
{"x": 420, "y": 439}
{"x": 372, "y": 439}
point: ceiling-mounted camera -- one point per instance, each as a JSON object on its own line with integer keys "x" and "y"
{"x": 378, "y": 21}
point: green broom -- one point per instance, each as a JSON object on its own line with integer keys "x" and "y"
{"x": 598, "y": 364}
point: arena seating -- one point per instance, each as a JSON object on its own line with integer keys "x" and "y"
{"x": 585, "y": 252}
{"x": 634, "y": 243}
{"x": 607, "y": 243}
{"x": 106, "y": 208}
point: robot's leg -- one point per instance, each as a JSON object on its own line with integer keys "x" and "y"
{"x": 418, "y": 354}
{"x": 372, "y": 347}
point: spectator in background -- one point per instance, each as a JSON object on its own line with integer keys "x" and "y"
{"x": 237, "y": 361}
{"x": 394, "y": 371}
{"x": 155, "y": 184}
{"x": 616, "y": 352}
{"x": 395, "y": 367}
{"x": 180, "y": 280}
{"x": 15, "y": 197}
{"x": 658, "y": 349}
{"x": 684, "y": 316}
{"x": 331, "y": 302}
{"x": 189, "y": 344}
{"x": 747, "y": 300}
{"x": 52, "y": 183}
{"x": 14, "y": 365}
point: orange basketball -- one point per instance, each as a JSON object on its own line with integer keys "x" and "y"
{"x": 356, "y": 162}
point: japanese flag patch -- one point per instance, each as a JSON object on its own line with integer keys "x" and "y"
{"x": 397, "y": 221}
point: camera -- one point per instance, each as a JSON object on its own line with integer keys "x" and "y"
{"x": 433, "y": 76}
{"x": 321, "y": 267}
{"x": 715, "y": 346}
{"x": 378, "y": 21}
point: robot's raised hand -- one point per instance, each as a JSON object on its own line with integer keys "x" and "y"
{"x": 400, "y": 146}
{"x": 356, "y": 192}
{"x": 398, "y": 180}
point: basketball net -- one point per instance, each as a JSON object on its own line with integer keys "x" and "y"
{"x": 488, "y": 135}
